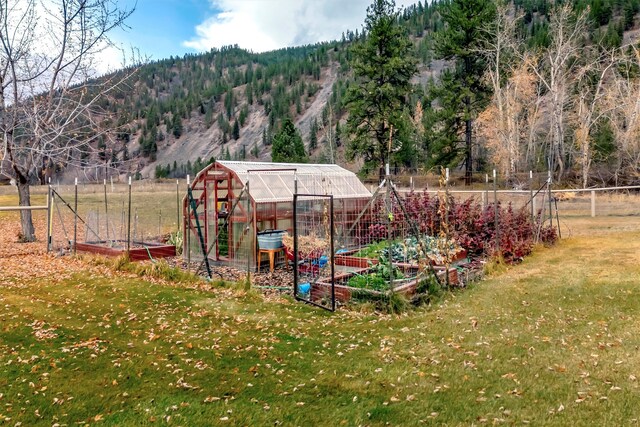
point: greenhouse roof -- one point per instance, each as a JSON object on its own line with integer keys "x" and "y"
{"x": 274, "y": 182}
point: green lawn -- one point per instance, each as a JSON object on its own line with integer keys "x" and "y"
{"x": 553, "y": 341}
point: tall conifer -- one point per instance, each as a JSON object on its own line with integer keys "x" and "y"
{"x": 462, "y": 93}
{"x": 383, "y": 65}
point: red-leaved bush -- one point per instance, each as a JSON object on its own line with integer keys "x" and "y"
{"x": 470, "y": 224}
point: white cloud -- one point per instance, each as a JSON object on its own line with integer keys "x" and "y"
{"x": 109, "y": 59}
{"x": 262, "y": 25}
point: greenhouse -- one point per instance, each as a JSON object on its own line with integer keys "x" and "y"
{"x": 237, "y": 212}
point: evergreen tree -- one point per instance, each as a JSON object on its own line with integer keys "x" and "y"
{"x": 235, "y": 134}
{"x": 269, "y": 136}
{"x": 466, "y": 94}
{"x": 176, "y": 126}
{"x": 102, "y": 147}
{"x": 153, "y": 150}
{"x": 383, "y": 66}
{"x": 229, "y": 103}
{"x": 313, "y": 135}
{"x": 244, "y": 113}
{"x": 249, "y": 93}
{"x": 152, "y": 117}
{"x": 208, "y": 118}
{"x": 288, "y": 145}
{"x": 115, "y": 163}
{"x": 442, "y": 144}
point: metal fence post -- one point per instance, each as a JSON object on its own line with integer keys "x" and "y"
{"x": 495, "y": 210}
{"x": 49, "y": 217}
{"x": 550, "y": 195}
{"x": 593, "y": 204}
{"x": 106, "y": 209}
{"x": 533, "y": 203}
{"x": 187, "y": 227}
{"x": 75, "y": 218}
{"x": 485, "y": 201}
{"x": 129, "y": 221}
{"x": 178, "y": 204}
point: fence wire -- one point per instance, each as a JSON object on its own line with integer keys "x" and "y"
{"x": 108, "y": 217}
{"x": 312, "y": 250}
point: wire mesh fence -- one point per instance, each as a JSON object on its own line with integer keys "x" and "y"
{"x": 312, "y": 249}
{"x": 154, "y": 215}
{"x": 220, "y": 233}
{"x": 236, "y": 234}
{"x": 518, "y": 189}
{"x": 383, "y": 247}
{"x": 115, "y": 216}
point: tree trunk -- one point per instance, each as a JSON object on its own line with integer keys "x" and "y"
{"x": 24, "y": 197}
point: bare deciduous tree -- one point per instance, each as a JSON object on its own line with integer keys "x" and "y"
{"x": 506, "y": 128}
{"x": 623, "y": 101}
{"x": 589, "y": 108}
{"x": 497, "y": 123}
{"x": 49, "y": 99}
{"x": 566, "y": 31}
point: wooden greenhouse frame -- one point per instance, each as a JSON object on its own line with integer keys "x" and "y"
{"x": 237, "y": 200}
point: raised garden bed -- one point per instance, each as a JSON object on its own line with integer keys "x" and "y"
{"x": 348, "y": 260}
{"x": 368, "y": 256}
{"x": 410, "y": 250}
{"x": 407, "y": 286}
{"x": 367, "y": 269}
{"x": 137, "y": 252}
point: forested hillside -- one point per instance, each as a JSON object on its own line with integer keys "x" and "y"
{"x": 552, "y": 87}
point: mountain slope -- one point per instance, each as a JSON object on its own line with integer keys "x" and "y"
{"x": 179, "y": 113}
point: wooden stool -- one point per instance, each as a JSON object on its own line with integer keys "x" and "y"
{"x": 272, "y": 257}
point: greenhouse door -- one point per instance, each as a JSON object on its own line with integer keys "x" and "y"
{"x": 313, "y": 249}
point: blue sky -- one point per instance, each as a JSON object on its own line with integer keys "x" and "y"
{"x": 161, "y": 28}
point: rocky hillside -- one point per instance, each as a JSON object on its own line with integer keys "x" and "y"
{"x": 177, "y": 114}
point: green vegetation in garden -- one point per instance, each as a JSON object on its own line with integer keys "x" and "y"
{"x": 550, "y": 341}
{"x": 371, "y": 281}
{"x": 409, "y": 250}
{"x": 377, "y": 277}
{"x": 372, "y": 250}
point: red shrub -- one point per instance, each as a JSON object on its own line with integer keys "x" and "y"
{"x": 469, "y": 223}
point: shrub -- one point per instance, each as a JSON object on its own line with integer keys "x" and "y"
{"x": 469, "y": 223}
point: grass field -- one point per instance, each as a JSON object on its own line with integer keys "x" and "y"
{"x": 550, "y": 342}
{"x": 553, "y": 341}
